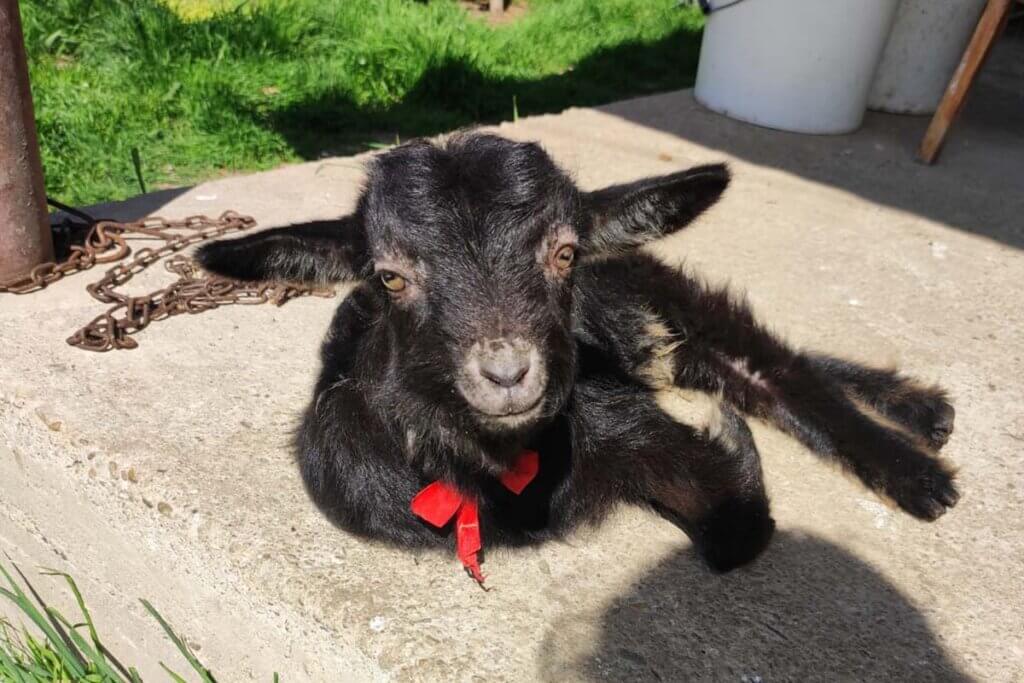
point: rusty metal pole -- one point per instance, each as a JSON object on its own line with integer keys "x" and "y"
{"x": 25, "y": 239}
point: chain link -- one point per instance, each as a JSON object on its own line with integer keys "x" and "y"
{"x": 193, "y": 292}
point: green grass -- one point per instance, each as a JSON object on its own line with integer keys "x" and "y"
{"x": 244, "y": 87}
{"x": 56, "y": 649}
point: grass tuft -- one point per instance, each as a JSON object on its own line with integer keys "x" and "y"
{"x": 204, "y": 87}
{"x": 57, "y": 650}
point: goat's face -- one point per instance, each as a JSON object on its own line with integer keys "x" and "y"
{"x": 471, "y": 246}
{"x": 474, "y": 245}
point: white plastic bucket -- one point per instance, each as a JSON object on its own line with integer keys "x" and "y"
{"x": 797, "y": 65}
{"x": 927, "y": 41}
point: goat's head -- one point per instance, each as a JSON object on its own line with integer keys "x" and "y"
{"x": 472, "y": 245}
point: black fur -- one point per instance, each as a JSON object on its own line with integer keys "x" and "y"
{"x": 471, "y": 225}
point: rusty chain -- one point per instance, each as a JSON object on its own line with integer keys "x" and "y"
{"x": 192, "y": 292}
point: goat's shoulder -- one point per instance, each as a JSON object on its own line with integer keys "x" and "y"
{"x": 618, "y": 306}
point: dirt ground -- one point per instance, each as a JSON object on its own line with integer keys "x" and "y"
{"x": 481, "y": 10}
{"x": 843, "y": 243}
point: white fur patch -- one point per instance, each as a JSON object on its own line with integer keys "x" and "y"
{"x": 696, "y": 409}
{"x": 742, "y": 368}
{"x": 659, "y": 371}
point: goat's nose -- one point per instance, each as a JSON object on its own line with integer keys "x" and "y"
{"x": 504, "y": 364}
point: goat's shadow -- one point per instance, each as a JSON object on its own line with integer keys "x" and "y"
{"x": 806, "y": 610}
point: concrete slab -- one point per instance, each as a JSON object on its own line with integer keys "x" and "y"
{"x": 841, "y": 243}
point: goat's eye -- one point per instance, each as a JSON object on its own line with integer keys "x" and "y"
{"x": 564, "y": 257}
{"x": 393, "y": 282}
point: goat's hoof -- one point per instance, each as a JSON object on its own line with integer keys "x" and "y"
{"x": 927, "y": 492}
{"x": 735, "y": 533}
{"x": 927, "y": 415}
{"x": 942, "y": 417}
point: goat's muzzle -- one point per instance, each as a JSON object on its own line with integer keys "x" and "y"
{"x": 503, "y": 380}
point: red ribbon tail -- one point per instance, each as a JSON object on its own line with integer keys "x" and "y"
{"x": 473, "y": 569}
{"x": 467, "y": 539}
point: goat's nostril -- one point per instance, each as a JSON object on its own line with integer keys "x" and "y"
{"x": 506, "y": 371}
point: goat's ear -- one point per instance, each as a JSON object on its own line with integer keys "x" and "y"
{"x": 312, "y": 253}
{"x": 626, "y": 216}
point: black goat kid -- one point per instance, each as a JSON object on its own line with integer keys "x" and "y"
{"x": 500, "y": 309}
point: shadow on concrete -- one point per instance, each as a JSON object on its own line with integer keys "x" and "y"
{"x": 976, "y": 186}
{"x": 454, "y": 94}
{"x": 130, "y": 209}
{"x": 806, "y": 610}
{"x": 70, "y": 229}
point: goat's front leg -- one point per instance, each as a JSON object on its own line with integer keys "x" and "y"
{"x": 690, "y": 458}
{"x": 722, "y": 503}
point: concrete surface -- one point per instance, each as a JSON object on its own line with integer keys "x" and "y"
{"x": 163, "y": 472}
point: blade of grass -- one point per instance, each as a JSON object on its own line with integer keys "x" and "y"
{"x": 57, "y": 627}
{"x": 42, "y": 661}
{"x": 63, "y": 653}
{"x": 102, "y": 654}
{"x": 174, "y": 677}
{"x": 129, "y": 673}
{"x": 6, "y": 638}
{"x": 12, "y": 647}
{"x": 206, "y": 676}
{"x": 11, "y": 669}
{"x": 93, "y": 656}
{"x": 87, "y": 651}
{"x": 137, "y": 163}
{"x": 81, "y": 606}
{"x": 18, "y": 597}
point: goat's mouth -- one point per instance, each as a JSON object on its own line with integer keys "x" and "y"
{"x": 512, "y": 417}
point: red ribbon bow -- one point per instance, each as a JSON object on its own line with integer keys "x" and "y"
{"x": 437, "y": 503}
